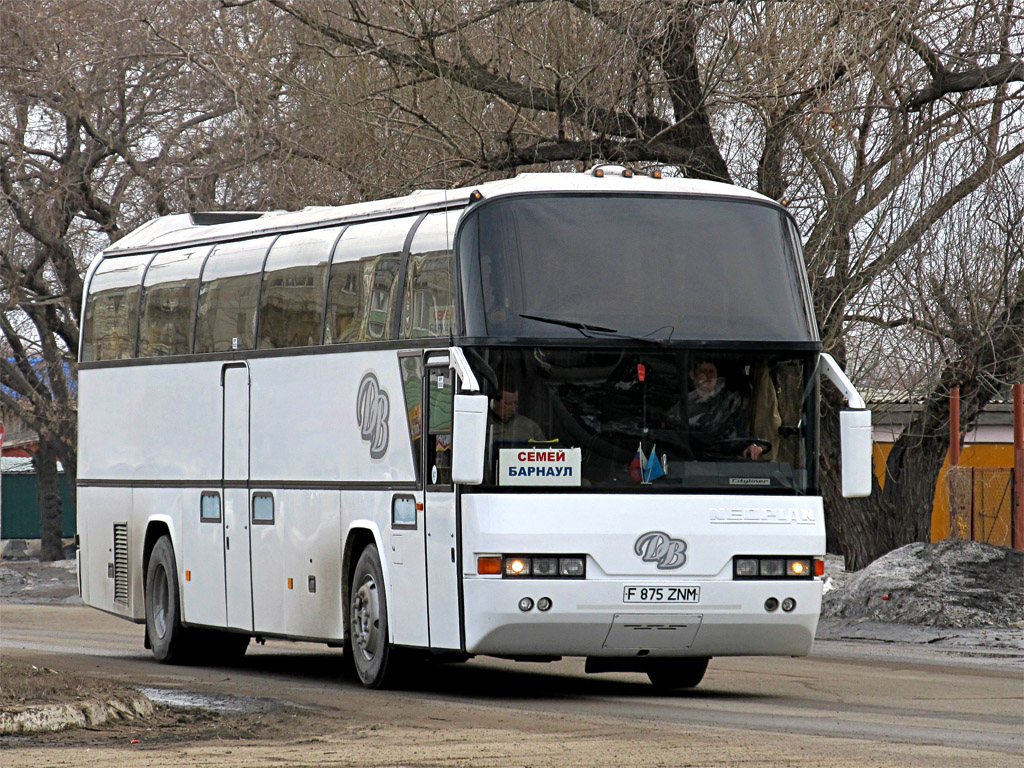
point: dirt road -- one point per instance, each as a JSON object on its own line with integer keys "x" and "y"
{"x": 285, "y": 705}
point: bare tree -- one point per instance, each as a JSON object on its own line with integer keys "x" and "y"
{"x": 111, "y": 113}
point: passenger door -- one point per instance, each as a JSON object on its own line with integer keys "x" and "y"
{"x": 439, "y": 509}
{"x": 235, "y": 482}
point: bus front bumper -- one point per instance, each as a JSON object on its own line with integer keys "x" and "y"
{"x": 592, "y": 618}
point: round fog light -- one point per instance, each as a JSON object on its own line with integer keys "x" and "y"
{"x": 788, "y": 604}
{"x": 525, "y": 604}
{"x": 544, "y": 604}
{"x": 771, "y": 604}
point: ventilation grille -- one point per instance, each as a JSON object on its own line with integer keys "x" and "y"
{"x": 121, "y": 563}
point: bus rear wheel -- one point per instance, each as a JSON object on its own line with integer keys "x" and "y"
{"x": 372, "y": 654}
{"x": 673, "y": 674}
{"x": 168, "y": 639}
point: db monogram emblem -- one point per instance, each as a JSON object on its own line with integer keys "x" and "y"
{"x": 660, "y": 548}
{"x": 372, "y": 409}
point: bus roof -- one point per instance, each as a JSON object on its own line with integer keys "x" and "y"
{"x": 177, "y": 230}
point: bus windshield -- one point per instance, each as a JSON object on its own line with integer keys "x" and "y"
{"x": 657, "y": 267}
{"x": 646, "y": 418}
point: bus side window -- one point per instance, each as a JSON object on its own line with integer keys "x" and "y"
{"x": 362, "y": 283}
{"x": 169, "y": 303}
{"x": 112, "y": 309}
{"x": 228, "y": 296}
{"x": 412, "y": 384}
{"x": 428, "y": 309}
{"x": 294, "y": 281}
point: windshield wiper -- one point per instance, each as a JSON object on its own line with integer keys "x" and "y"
{"x": 569, "y": 324}
{"x": 583, "y": 328}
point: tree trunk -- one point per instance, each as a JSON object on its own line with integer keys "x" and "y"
{"x": 50, "y": 522}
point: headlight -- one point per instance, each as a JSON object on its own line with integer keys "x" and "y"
{"x": 517, "y": 566}
{"x": 538, "y": 566}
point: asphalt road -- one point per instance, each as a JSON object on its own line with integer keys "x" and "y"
{"x": 840, "y": 706}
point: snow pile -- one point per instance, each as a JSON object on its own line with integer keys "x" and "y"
{"x": 953, "y": 583}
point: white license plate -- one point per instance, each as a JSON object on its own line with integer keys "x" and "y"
{"x": 661, "y": 594}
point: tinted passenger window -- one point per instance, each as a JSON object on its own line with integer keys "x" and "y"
{"x": 363, "y": 281}
{"x": 429, "y": 306}
{"x": 229, "y": 295}
{"x": 294, "y": 281}
{"x": 112, "y": 309}
{"x": 169, "y": 303}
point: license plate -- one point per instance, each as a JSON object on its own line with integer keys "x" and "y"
{"x": 661, "y": 594}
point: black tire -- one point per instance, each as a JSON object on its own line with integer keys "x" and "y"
{"x": 168, "y": 639}
{"x": 372, "y": 654}
{"x": 673, "y": 674}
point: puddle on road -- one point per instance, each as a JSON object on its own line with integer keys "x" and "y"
{"x": 171, "y": 697}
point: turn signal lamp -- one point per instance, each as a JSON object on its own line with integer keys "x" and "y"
{"x": 490, "y": 566}
{"x": 819, "y": 567}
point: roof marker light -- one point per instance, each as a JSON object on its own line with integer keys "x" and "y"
{"x": 627, "y": 173}
{"x": 476, "y": 195}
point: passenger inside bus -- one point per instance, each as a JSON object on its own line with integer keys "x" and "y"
{"x": 504, "y": 422}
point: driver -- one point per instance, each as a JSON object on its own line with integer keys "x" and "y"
{"x": 506, "y": 424}
{"x": 714, "y": 410}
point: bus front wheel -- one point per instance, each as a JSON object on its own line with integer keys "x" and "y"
{"x": 372, "y": 654}
{"x": 673, "y": 674}
{"x": 163, "y": 606}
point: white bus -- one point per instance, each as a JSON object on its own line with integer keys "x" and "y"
{"x": 557, "y": 415}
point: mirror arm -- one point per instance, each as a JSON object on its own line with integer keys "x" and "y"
{"x": 838, "y": 377}
{"x": 461, "y": 366}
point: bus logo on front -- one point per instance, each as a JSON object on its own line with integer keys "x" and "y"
{"x": 658, "y": 547}
{"x": 372, "y": 409}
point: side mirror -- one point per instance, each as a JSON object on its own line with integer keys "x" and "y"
{"x": 855, "y": 444}
{"x": 469, "y": 438}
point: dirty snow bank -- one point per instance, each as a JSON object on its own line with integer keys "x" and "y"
{"x": 953, "y": 583}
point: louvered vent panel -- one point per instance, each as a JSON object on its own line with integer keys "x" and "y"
{"x": 121, "y": 563}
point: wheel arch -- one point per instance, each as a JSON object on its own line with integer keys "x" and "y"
{"x": 359, "y": 534}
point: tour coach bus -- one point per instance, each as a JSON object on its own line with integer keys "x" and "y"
{"x": 556, "y": 415}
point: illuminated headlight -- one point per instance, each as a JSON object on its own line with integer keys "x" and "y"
{"x": 746, "y": 566}
{"x": 517, "y": 566}
{"x": 571, "y": 566}
{"x": 798, "y": 568}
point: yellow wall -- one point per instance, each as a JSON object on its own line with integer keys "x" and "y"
{"x": 976, "y": 455}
